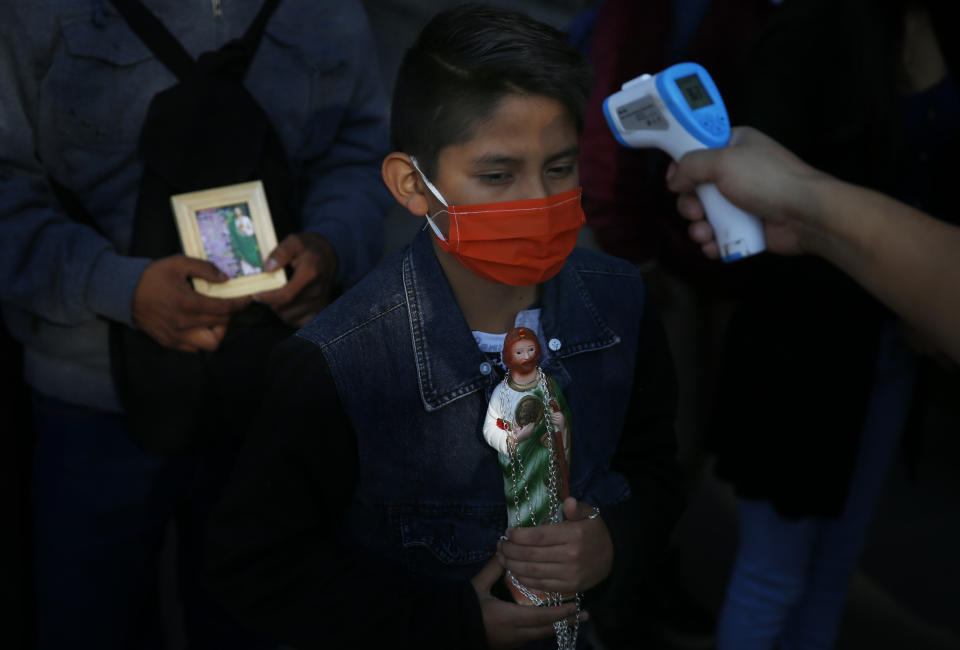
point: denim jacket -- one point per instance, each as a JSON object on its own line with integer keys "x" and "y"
{"x": 415, "y": 388}
{"x": 75, "y": 83}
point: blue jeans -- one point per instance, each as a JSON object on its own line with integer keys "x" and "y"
{"x": 102, "y": 506}
{"x": 791, "y": 576}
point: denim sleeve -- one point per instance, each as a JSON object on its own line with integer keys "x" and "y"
{"x": 345, "y": 199}
{"x": 51, "y": 266}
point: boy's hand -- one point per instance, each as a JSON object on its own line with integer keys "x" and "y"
{"x": 314, "y": 262}
{"x": 574, "y": 555}
{"x": 509, "y": 625}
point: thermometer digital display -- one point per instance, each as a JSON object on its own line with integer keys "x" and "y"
{"x": 694, "y": 92}
{"x": 679, "y": 110}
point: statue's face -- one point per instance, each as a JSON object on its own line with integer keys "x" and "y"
{"x": 523, "y": 356}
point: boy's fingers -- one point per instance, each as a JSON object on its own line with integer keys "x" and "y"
{"x": 484, "y": 580}
{"x": 526, "y": 572}
{"x": 574, "y": 510}
{"x": 570, "y": 510}
{"x": 536, "y": 617}
{"x": 545, "y": 584}
{"x": 533, "y": 633}
{"x": 515, "y": 554}
{"x": 537, "y": 535}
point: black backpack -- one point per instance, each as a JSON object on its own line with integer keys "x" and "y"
{"x": 206, "y": 131}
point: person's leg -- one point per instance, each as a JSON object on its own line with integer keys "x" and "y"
{"x": 768, "y": 579}
{"x": 99, "y": 520}
{"x": 814, "y": 623}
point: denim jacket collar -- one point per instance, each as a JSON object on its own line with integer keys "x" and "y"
{"x": 449, "y": 363}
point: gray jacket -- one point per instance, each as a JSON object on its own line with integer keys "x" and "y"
{"x": 75, "y": 83}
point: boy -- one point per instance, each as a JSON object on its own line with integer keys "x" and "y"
{"x": 368, "y": 507}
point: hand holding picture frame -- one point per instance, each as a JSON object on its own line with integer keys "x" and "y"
{"x": 231, "y": 227}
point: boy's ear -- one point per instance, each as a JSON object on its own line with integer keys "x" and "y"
{"x": 404, "y": 183}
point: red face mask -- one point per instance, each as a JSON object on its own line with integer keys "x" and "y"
{"x": 520, "y": 243}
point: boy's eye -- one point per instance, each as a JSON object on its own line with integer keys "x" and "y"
{"x": 561, "y": 171}
{"x": 495, "y": 178}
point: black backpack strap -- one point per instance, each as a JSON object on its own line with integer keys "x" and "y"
{"x": 168, "y": 49}
{"x": 255, "y": 30}
{"x": 156, "y": 36}
{"x": 233, "y": 59}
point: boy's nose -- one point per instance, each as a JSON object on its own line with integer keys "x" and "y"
{"x": 536, "y": 188}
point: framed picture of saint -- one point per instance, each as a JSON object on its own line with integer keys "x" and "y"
{"x": 231, "y": 227}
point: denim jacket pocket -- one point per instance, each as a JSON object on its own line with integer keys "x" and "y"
{"x": 104, "y": 78}
{"x": 441, "y": 541}
{"x": 111, "y": 42}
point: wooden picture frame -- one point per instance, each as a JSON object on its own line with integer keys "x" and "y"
{"x": 231, "y": 227}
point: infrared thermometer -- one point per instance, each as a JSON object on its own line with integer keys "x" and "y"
{"x": 680, "y": 110}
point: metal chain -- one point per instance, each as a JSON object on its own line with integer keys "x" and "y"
{"x": 516, "y": 462}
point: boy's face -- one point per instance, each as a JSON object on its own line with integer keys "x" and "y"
{"x": 526, "y": 150}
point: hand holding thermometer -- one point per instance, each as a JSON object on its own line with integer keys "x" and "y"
{"x": 679, "y": 110}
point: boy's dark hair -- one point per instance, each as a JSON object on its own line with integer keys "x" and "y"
{"x": 465, "y": 61}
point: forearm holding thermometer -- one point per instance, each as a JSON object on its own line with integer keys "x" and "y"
{"x": 680, "y": 110}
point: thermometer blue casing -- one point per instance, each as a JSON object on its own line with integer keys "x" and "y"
{"x": 680, "y": 110}
{"x": 709, "y": 123}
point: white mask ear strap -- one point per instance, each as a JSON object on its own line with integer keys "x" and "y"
{"x": 436, "y": 193}
{"x": 433, "y": 225}
{"x": 430, "y": 186}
